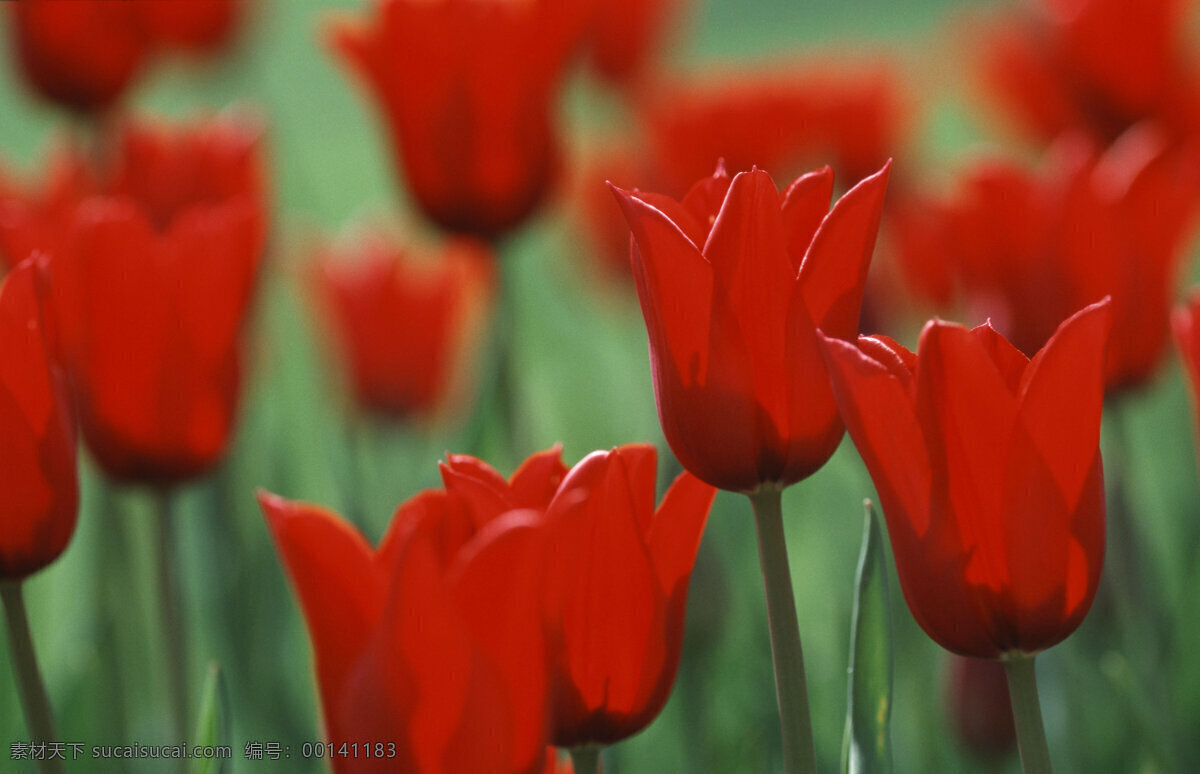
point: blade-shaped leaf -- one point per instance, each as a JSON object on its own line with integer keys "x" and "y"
{"x": 867, "y": 746}
{"x": 212, "y": 729}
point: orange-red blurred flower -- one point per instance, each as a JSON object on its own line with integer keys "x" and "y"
{"x": 466, "y": 88}
{"x": 788, "y": 119}
{"x": 1100, "y": 66}
{"x": 198, "y": 26}
{"x": 406, "y": 326}
{"x": 979, "y": 708}
{"x": 37, "y": 456}
{"x": 733, "y": 282}
{"x": 988, "y": 468}
{"x": 82, "y": 54}
{"x": 154, "y": 284}
{"x": 617, "y": 589}
{"x": 626, "y": 35}
{"x": 398, "y": 669}
{"x": 1027, "y": 248}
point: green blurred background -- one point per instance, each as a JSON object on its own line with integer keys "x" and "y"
{"x": 584, "y": 381}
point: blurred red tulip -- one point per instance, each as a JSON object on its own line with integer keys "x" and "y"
{"x": 442, "y": 662}
{"x": 788, "y": 119}
{"x": 32, "y": 216}
{"x": 82, "y": 54}
{"x": 733, "y": 283}
{"x": 154, "y": 286}
{"x": 979, "y": 707}
{"x": 198, "y": 26}
{"x": 626, "y": 35}
{"x": 37, "y": 457}
{"x": 1099, "y": 66}
{"x": 466, "y": 88}
{"x": 406, "y": 326}
{"x": 988, "y": 468}
{"x": 1027, "y": 248}
{"x": 617, "y": 586}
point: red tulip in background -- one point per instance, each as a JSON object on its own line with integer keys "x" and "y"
{"x": 1099, "y": 66}
{"x": 37, "y": 457}
{"x": 617, "y": 587}
{"x": 154, "y": 285}
{"x": 466, "y": 88}
{"x": 32, "y": 216}
{"x": 1027, "y": 248}
{"x": 733, "y": 282}
{"x": 405, "y": 325}
{"x": 988, "y": 468}
{"x": 84, "y": 54}
{"x": 979, "y": 708}
{"x": 626, "y": 36}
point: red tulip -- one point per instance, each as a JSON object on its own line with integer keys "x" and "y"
{"x": 37, "y": 457}
{"x": 1100, "y": 66}
{"x": 785, "y": 119}
{"x": 32, "y": 216}
{"x": 617, "y": 587}
{"x": 155, "y": 284}
{"x": 626, "y": 34}
{"x": 466, "y": 87}
{"x": 979, "y": 707}
{"x": 1029, "y": 248}
{"x": 198, "y": 26}
{"x": 82, "y": 54}
{"x": 404, "y": 325}
{"x": 396, "y": 638}
{"x": 733, "y": 283}
{"x": 988, "y": 468}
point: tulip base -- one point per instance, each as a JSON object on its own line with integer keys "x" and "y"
{"x": 36, "y": 704}
{"x": 1027, "y": 714}
{"x": 799, "y": 752}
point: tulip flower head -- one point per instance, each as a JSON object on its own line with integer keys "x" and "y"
{"x": 466, "y": 88}
{"x": 988, "y": 467}
{"x": 37, "y": 456}
{"x": 733, "y": 282}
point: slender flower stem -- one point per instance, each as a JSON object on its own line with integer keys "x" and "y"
{"x": 799, "y": 752}
{"x": 38, "y": 716}
{"x": 171, "y": 607}
{"x": 1027, "y": 715}
{"x": 586, "y": 760}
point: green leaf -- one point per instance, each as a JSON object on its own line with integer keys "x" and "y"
{"x": 867, "y": 746}
{"x": 212, "y": 729}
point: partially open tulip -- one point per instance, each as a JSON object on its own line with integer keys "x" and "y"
{"x": 154, "y": 287}
{"x": 467, "y": 90}
{"x": 617, "y": 590}
{"x": 37, "y": 456}
{"x": 1029, "y": 247}
{"x": 733, "y": 282}
{"x": 406, "y": 325}
{"x": 988, "y": 467}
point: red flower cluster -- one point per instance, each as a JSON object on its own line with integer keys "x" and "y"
{"x": 734, "y": 282}
{"x": 84, "y": 54}
{"x": 988, "y": 467}
{"x": 37, "y": 457}
{"x": 403, "y": 324}
{"x": 499, "y": 614}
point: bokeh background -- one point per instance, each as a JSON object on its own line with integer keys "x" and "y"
{"x": 583, "y": 380}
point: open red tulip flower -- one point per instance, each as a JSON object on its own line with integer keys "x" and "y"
{"x": 404, "y": 325}
{"x": 154, "y": 287}
{"x": 733, "y": 282}
{"x": 1099, "y": 66}
{"x": 467, "y": 88}
{"x": 1030, "y": 247}
{"x": 988, "y": 467}
{"x": 37, "y": 456}
{"x": 617, "y": 589}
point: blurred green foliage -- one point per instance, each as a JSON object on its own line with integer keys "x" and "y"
{"x": 584, "y": 380}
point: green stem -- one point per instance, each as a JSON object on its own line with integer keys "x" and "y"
{"x": 38, "y": 716}
{"x": 799, "y": 752}
{"x": 1027, "y": 715}
{"x": 170, "y": 602}
{"x": 586, "y": 760}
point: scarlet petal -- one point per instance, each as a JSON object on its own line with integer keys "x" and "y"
{"x": 805, "y": 205}
{"x": 674, "y": 538}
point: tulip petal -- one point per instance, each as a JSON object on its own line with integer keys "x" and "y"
{"x": 674, "y": 537}
{"x": 535, "y": 482}
{"x": 805, "y": 205}
{"x": 834, "y": 271}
